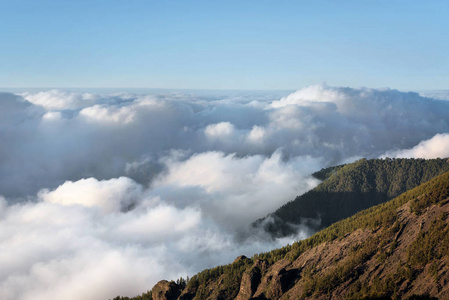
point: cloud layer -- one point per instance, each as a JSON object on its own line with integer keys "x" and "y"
{"x": 436, "y": 147}
{"x": 105, "y": 194}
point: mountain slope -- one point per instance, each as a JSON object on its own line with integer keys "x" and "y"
{"x": 350, "y": 188}
{"x": 397, "y": 249}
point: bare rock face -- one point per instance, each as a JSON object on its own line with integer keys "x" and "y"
{"x": 187, "y": 294}
{"x": 270, "y": 284}
{"x": 166, "y": 290}
{"x": 251, "y": 280}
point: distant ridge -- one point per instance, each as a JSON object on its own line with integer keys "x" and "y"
{"x": 395, "y": 250}
{"x": 348, "y": 189}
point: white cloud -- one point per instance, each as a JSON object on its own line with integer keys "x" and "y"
{"x": 52, "y": 116}
{"x": 219, "y": 130}
{"x": 107, "y": 133}
{"x": 99, "y": 113}
{"x": 436, "y": 94}
{"x": 160, "y": 223}
{"x": 436, "y": 147}
{"x": 312, "y": 94}
{"x": 69, "y": 253}
{"x": 256, "y": 134}
{"x": 236, "y": 191}
{"x": 111, "y": 195}
{"x": 55, "y": 99}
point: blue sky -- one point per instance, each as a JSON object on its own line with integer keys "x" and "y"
{"x": 224, "y": 44}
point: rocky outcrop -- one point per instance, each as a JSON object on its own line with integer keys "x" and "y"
{"x": 166, "y": 290}
{"x": 274, "y": 282}
{"x": 251, "y": 280}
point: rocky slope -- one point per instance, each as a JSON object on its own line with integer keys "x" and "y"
{"x": 396, "y": 250}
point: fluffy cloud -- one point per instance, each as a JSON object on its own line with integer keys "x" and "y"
{"x": 222, "y": 129}
{"x": 55, "y": 99}
{"x": 111, "y": 195}
{"x": 52, "y": 250}
{"x": 313, "y": 94}
{"x": 107, "y": 194}
{"x": 235, "y": 191}
{"x": 436, "y": 94}
{"x": 105, "y": 114}
{"x": 256, "y": 134}
{"x": 436, "y": 147}
{"x": 85, "y": 135}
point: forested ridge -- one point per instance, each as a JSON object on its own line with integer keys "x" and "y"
{"x": 394, "y": 250}
{"x": 350, "y": 188}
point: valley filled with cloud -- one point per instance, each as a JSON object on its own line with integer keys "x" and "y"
{"x": 104, "y": 194}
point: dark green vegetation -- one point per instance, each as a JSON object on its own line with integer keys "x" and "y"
{"x": 348, "y": 189}
{"x": 390, "y": 251}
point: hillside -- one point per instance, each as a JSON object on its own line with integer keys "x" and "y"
{"x": 348, "y": 189}
{"x": 397, "y": 249}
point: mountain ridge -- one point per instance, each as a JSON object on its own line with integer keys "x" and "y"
{"x": 350, "y": 188}
{"x": 347, "y": 260}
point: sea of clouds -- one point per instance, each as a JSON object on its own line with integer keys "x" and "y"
{"x": 107, "y": 193}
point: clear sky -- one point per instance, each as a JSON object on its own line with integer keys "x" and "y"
{"x": 224, "y": 44}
